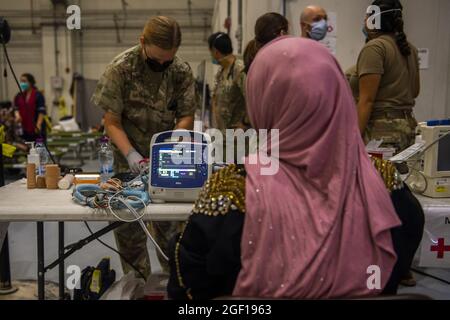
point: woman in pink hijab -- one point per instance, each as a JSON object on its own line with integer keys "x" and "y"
{"x": 320, "y": 227}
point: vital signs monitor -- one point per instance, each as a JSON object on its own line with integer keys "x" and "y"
{"x": 436, "y": 166}
{"x": 180, "y": 164}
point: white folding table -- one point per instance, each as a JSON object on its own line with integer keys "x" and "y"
{"x": 18, "y": 204}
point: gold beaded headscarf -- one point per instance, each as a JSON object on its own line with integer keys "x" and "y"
{"x": 389, "y": 173}
{"x": 225, "y": 190}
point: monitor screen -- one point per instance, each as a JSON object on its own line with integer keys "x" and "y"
{"x": 178, "y": 165}
{"x": 443, "y": 162}
{"x": 168, "y": 167}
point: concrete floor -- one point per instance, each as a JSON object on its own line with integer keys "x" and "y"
{"x": 22, "y": 240}
{"x": 428, "y": 286}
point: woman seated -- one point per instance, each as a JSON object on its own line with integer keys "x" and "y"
{"x": 319, "y": 226}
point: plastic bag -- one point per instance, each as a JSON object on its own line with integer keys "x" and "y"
{"x": 128, "y": 288}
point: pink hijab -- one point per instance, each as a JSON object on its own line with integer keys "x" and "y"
{"x": 313, "y": 229}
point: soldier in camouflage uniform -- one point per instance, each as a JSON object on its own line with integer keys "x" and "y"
{"x": 228, "y": 100}
{"x": 388, "y": 84}
{"x": 396, "y": 126}
{"x": 229, "y": 97}
{"x": 388, "y": 81}
{"x": 145, "y": 90}
{"x": 229, "y": 91}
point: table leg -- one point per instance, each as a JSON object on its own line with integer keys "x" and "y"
{"x": 5, "y": 271}
{"x": 61, "y": 265}
{"x": 40, "y": 262}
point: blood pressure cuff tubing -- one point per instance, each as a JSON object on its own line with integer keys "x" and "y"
{"x": 85, "y": 194}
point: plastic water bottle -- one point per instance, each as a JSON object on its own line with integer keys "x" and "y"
{"x": 106, "y": 160}
{"x": 43, "y": 156}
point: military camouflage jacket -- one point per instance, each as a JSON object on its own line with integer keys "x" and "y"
{"x": 229, "y": 97}
{"x": 147, "y": 102}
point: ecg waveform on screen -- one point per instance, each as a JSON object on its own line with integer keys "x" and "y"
{"x": 176, "y": 164}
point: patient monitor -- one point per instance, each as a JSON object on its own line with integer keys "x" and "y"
{"x": 180, "y": 164}
{"x": 436, "y": 158}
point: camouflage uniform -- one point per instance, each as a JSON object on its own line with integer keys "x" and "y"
{"x": 229, "y": 106}
{"x": 395, "y": 126}
{"x": 392, "y": 117}
{"x": 148, "y": 103}
{"x": 229, "y": 97}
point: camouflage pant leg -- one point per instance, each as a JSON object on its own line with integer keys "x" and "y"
{"x": 131, "y": 239}
{"x": 162, "y": 232}
{"x": 131, "y": 242}
{"x": 396, "y": 133}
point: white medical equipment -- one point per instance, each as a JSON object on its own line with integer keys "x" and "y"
{"x": 180, "y": 164}
{"x": 436, "y": 158}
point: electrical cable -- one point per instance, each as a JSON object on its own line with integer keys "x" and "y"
{"x": 116, "y": 251}
{"x": 414, "y": 162}
{"x": 119, "y": 198}
{"x": 113, "y": 185}
{"x": 10, "y": 66}
{"x": 21, "y": 92}
{"x": 424, "y": 178}
{"x": 138, "y": 217}
{"x": 144, "y": 227}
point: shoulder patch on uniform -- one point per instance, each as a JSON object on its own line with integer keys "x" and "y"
{"x": 223, "y": 191}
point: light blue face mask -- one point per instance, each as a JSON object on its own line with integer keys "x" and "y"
{"x": 214, "y": 61}
{"x": 319, "y": 30}
{"x": 364, "y": 31}
{"x": 24, "y": 86}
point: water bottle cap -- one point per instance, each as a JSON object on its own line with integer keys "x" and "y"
{"x": 104, "y": 139}
{"x": 39, "y": 140}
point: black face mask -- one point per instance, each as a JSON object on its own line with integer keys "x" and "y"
{"x": 155, "y": 65}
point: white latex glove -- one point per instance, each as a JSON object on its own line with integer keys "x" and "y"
{"x": 134, "y": 159}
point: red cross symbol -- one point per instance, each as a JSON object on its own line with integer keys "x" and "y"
{"x": 440, "y": 248}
